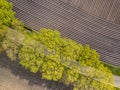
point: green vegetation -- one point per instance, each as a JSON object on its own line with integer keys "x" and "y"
{"x": 3, "y": 31}
{"x": 115, "y": 70}
{"x": 117, "y": 88}
{"x": 56, "y": 58}
{"x": 7, "y": 15}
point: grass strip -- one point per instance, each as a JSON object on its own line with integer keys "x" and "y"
{"x": 115, "y": 69}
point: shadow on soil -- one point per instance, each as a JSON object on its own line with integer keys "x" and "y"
{"x": 33, "y": 79}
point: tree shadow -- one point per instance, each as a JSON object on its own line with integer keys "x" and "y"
{"x": 33, "y": 79}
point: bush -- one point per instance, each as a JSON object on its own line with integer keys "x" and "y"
{"x": 10, "y": 41}
{"x": 7, "y": 15}
{"x": 58, "y": 59}
{"x": 3, "y": 32}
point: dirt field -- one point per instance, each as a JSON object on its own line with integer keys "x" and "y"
{"x": 14, "y": 77}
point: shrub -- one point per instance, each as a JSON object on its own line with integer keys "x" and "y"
{"x": 61, "y": 59}
{"x": 57, "y": 58}
{"x": 7, "y": 15}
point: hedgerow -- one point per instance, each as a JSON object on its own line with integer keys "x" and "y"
{"x": 58, "y": 59}
{"x": 55, "y": 57}
{"x": 7, "y": 15}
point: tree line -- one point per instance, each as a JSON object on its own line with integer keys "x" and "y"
{"x": 55, "y": 57}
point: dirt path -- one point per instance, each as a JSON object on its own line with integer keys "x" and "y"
{"x": 14, "y": 77}
{"x": 117, "y": 81}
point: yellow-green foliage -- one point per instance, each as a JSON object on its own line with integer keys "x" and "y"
{"x": 7, "y": 15}
{"x": 51, "y": 70}
{"x": 54, "y": 56}
{"x": 3, "y": 32}
{"x": 9, "y": 41}
{"x": 58, "y": 59}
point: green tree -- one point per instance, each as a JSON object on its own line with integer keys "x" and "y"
{"x": 39, "y": 54}
{"x": 31, "y": 57}
{"x": 10, "y": 41}
{"x": 7, "y": 15}
{"x": 51, "y": 70}
{"x": 11, "y": 44}
{"x": 57, "y": 62}
{"x": 3, "y": 32}
{"x": 58, "y": 59}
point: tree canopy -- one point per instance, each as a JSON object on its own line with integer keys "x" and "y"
{"x": 7, "y": 15}
{"x": 58, "y": 59}
{"x": 55, "y": 57}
